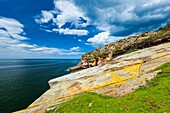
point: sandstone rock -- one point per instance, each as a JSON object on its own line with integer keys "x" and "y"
{"x": 122, "y": 75}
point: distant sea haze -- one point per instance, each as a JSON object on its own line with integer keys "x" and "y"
{"x": 23, "y": 81}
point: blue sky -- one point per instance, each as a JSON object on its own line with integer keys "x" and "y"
{"x": 69, "y": 28}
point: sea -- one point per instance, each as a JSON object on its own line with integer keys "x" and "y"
{"x": 22, "y": 81}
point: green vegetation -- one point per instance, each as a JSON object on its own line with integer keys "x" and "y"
{"x": 165, "y": 68}
{"x": 109, "y": 60}
{"x": 153, "y": 98}
{"x": 90, "y": 57}
{"x": 117, "y": 48}
{"x": 103, "y": 54}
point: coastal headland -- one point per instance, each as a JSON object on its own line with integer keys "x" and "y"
{"x": 115, "y": 70}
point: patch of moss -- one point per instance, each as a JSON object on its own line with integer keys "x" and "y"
{"x": 153, "y": 98}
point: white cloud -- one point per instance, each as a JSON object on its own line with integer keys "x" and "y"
{"x": 102, "y": 39}
{"x": 11, "y": 28}
{"x": 126, "y": 17}
{"x": 13, "y": 45}
{"x": 24, "y": 45}
{"x": 75, "y": 48}
{"x": 153, "y": 2}
{"x": 47, "y": 50}
{"x": 79, "y": 40}
{"x": 65, "y": 11}
{"x": 47, "y": 30}
{"x": 115, "y": 18}
{"x": 67, "y": 31}
{"x": 19, "y": 37}
{"x": 69, "y": 13}
{"x": 46, "y": 17}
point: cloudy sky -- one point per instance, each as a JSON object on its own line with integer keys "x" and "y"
{"x": 69, "y": 28}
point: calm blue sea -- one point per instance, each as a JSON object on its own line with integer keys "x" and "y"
{"x": 23, "y": 81}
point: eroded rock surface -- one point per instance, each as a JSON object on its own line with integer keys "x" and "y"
{"x": 122, "y": 75}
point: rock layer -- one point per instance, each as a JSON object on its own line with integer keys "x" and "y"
{"x": 116, "y": 78}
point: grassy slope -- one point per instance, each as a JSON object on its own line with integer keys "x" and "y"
{"x": 154, "y": 98}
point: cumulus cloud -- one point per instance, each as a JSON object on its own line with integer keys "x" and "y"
{"x": 12, "y": 43}
{"x": 68, "y": 13}
{"x": 118, "y": 18}
{"x": 126, "y": 17}
{"x": 64, "y": 12}
{"x": 46, "y": 17}
{"x": 68, "y": 31}
{"x": 102, "y": 39}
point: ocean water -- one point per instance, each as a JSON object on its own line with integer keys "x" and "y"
{"x": 23, "y": 81}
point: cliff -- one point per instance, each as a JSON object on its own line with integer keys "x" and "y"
{"x": 153, "y": 97}
{"x": 119, "y": 77}
{"x": 106, "y": 53}
{"x": 116, "y": 69}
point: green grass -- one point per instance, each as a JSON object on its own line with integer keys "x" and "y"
{"x": 153, "y": 98}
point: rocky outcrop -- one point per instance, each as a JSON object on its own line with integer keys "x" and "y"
{"x": 106, "y": 53}
{"x": 122, "y": 75}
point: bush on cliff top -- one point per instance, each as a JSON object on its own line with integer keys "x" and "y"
{"x": 154, "y": 98}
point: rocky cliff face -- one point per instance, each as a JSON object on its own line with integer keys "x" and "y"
{"x": 122, "y": 75}
{"x": 132, "y": 43}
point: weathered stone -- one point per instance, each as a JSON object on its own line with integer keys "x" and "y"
{"x": 125, "y": 74}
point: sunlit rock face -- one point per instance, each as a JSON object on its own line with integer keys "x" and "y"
{"x": 116, "y": 78}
